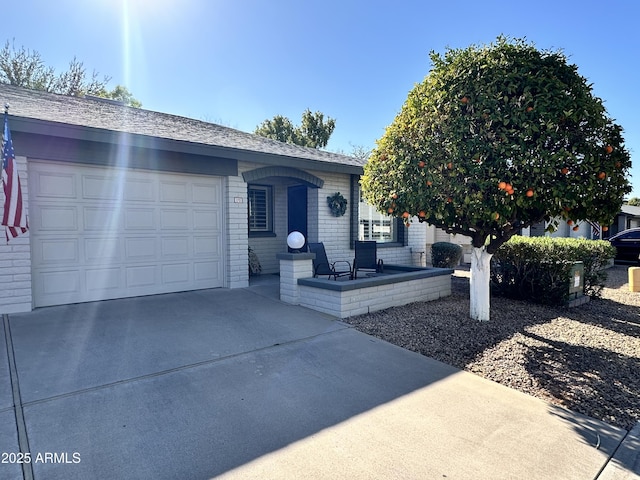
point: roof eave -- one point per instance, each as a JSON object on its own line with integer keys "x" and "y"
{"x": 93, "y": 134}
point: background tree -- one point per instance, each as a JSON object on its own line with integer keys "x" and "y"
{"x": 25, "y": 68}
{"x": 314, "y": 131}
{"x": 358, "y": 151}
{"x": 121, "y": 94}
{"x": 634, "y": 201}
{"x": 497, "y": 138}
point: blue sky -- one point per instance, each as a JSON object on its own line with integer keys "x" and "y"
{"x": 239, "y": 62}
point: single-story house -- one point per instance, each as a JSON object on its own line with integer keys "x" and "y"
{"x": 629, "y": 217}
{"x": 125, "y": 202}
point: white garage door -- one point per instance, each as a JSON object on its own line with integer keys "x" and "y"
{"x": 100, "y": 233}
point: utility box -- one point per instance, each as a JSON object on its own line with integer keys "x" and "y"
{"x": 634, "y": 279}
{"x": 576, "y": 285}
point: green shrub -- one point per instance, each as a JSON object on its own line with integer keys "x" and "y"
{"x": 445, "y": 254}
{"x": 537, "y": 268}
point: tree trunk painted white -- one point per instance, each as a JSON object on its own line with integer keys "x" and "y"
{"x": 479, "y": 284}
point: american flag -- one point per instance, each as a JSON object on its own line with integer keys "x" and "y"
{"x": 14, "y": 217}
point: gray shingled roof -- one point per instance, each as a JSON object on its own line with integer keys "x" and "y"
{"x": 87, "y": 112}
{"x": 632, "y": 210}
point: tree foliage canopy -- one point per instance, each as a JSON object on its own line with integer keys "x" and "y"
{"x": 314, "y": 131}
{"x": 497, "y": 138}
{"x": 25, "y": 68}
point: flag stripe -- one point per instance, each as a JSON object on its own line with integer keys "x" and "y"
{"x": 13, "y": 217}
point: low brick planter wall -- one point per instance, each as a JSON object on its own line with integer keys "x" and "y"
{"x": 398, "y": 286}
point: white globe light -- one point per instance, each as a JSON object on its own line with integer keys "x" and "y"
{"x": 295, "y": 240}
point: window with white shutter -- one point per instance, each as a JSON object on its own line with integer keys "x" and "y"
{"x": 260, "y": 209}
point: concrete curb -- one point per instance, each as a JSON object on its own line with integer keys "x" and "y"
{"x": 625, "y": 462}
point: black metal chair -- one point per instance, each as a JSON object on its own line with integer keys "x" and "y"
{"x": 322, "y": 266}
{"x": 366, "y": 258}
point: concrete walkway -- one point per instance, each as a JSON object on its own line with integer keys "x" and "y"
{"x": 236, "y": 384}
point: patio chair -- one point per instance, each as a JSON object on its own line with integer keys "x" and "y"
{"x": 322, "y": 266}
{"x": 366, "y": 258}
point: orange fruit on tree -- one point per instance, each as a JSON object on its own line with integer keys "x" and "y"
{"x": 564, "y": 170}
{"x": 602, "y": 175}
{"x": 429, "y": 183}
{"x": 422, "y": 214}
{"x": 464, "y": 99}
{"x": 529, "y": 109}
{"x": 502, "y": 185}
{"x": 530, "y": 192}
{"x": 496, "y": 216}
{"x": 405, "y": 215}
{"x": 608, "y": 149}
{"x": 389, "y": 210}
{"x": 605, "y": 228}
{"x": 569, "y": 222}
{"x": 576, "y": 228}
{"x": 449, "y": 165}
{"x": 421, "y": 164}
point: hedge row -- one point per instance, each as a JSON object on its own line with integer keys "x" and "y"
{"x": 538, "y": 268}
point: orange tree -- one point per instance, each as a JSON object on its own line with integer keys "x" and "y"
{"x": 497, "y": 138}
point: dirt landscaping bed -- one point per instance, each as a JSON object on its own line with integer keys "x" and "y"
{"x": 586, "y": 359}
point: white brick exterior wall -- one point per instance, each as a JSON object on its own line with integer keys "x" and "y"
{"x": 237, "y": 254}
{"x": 15, "y": 258}
{"x": 334, "y": 232}
{"x": 348, "y": 303}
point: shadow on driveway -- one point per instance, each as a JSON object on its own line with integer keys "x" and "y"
{"x": 191, "y": 385}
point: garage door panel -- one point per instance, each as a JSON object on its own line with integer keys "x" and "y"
{"x": 101, "y": 218}
{"x": 140, "y": 219}
{"x": 56, "y": 251}
{"x": 139, "y": 190}
{"x": 140, "y": 248}
{"x": 173, "y": 191}
{"x": 101, "y": 187}
{"x": 173, "y": 219}
{"x": 66, "y": 283}
{"x": 205, "y": 194}
{"x": 53, "y": 218}
{"x": 101, "y": 280}
{"x": 175, "y": 246}
{"x": 176, "y": 273}
{"x": 58, "y": 185}
{"x": 99, "y": 233}
{"x": 141, "y": 276}
{"x": 102, "y": 250}
{"x": 208, "y": 246}
{"x": 206, "y": 271}
{"x": 205, "y": 219}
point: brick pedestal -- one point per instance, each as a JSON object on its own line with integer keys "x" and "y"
{"x": 292, "y": 267}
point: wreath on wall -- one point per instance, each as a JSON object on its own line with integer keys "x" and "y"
{"x": 337, "y": 204}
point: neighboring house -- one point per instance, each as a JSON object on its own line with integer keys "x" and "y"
{"x": 126, "y": 202}
{"x": 629, "y": 217}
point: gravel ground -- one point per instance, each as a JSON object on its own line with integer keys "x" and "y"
{"x": 586, "y": 359}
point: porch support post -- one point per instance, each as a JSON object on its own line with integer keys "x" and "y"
{"x": 292, "y": 267}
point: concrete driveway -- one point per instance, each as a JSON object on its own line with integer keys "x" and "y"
{"x": 236, "y": 384}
